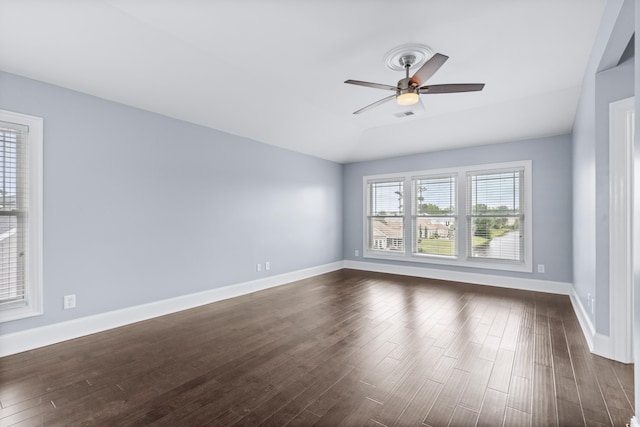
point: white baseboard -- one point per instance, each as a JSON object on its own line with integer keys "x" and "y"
{"x": 603, "y": 346}
{"x": 588, "y": 330}
{"x": 634, "y": 422}
{"x": 599, "y": 344}
{"x": 562, "y": 288}
{"x": 38, "y": 337}
{"x": 50, "y": 334}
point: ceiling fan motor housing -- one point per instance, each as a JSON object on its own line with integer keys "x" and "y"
{"x": 405, "y": 86}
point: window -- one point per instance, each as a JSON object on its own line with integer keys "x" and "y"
{"x": 20, "y": 216}
{"x": 495, "y": 233}
{"x": 434, "y": 219}
{"x": 385, "y": 217}
{"x": 495, "y": 215}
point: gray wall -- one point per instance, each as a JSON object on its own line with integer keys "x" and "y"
{"x": 584, "y": 194}
{"x": 605, "y": 81}
{"x": 551, "y": 174}
{"x": 140, "y": 207}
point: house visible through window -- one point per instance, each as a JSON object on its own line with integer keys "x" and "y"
{"x": 386, "y": 216}
{"x": 20, "y": 216}
{"x": 434, "y": 221}
{"x": 495, "y": 233}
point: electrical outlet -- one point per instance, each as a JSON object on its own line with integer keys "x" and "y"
{"x": 357, "y": 252}
{"x": 589, "y": 299}
{"x": 267, "y": 265}
{"x": 540, "y": 268}
{"x": 258, "y": 267}
{"x": 69, "y": 301}
{"x": 593, "y": 305}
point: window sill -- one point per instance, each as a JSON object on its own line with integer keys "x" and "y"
{"x": 8, "y": 314}
{"x": 452, "y": 261}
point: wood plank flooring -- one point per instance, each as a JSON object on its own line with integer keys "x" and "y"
{"x": 346, "y": 348}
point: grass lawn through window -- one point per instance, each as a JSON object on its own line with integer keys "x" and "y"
{"x": 436, "y": 247}
{"x": 446, "y": 246}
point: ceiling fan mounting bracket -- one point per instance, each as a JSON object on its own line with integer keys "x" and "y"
{"x": 407, "y": 60}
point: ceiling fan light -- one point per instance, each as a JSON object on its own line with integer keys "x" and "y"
{"x": 408, "y": 98}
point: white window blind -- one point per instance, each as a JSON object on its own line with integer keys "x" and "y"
{"x": 496, "y": 215}
{"x": 14, "y": 213}
{"x": 385, "y": 217}
{"x": 435, "y": 214}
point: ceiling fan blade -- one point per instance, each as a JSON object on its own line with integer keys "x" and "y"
{"x": 428, "y": 69}
{"x": 375, "y": 104}
{"x": 451, "y": 88}
{"x": 368, "y": 84}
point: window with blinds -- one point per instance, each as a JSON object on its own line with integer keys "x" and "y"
{"x": 14, "y": 197}
{"x": 434, "y": 215}
{"x": 496, "y": 215}
{"x": 20, "y": 216}
{"x": 385, "y": 216}
{"x": 476, "y": 216}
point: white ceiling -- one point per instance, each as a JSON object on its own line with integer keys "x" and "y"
{"x": 274, "y": 70}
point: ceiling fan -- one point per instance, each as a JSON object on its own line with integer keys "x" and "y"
{"x": 408, "y": 90}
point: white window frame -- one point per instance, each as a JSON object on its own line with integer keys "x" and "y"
{"x": 461, "y": 237}
{"x": 32, "y": 305}
{"x": 367, "y": 214}
{"x": 416, "y": 215}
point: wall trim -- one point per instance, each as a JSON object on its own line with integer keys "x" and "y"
{"x": 588, "y": 330}
{"x": 598, "y": 343}
{"x": 562, "y": 288}
{"x": 620, "y": 222}
{"x": 603, "y": 346}
{"x": 51, "y": 334}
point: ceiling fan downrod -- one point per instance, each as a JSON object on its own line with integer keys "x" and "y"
{"x": 407, "y": 61}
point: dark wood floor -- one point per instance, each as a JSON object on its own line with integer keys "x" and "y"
{"x": 345, "y": 348}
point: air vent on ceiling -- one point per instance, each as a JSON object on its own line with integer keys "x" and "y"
{"x": 404, "y": 114}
